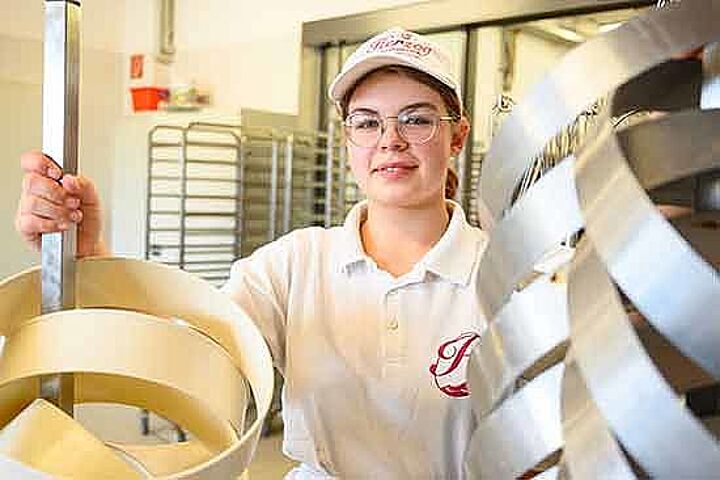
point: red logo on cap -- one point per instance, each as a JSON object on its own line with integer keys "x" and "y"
{"x": 400, "y": 44}
{"x": 450, "y": 367}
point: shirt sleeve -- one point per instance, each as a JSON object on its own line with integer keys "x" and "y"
{"x": 259, "y": 284}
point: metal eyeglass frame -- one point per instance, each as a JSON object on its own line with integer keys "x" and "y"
{"x": 383, "y": 128}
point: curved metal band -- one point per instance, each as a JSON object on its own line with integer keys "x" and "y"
{"x": 530, "y": 418}
{"x": 164, "y": 292}
{"x": 114, "y": 342}
{"x": 213, "y": 433}
{"x": 640, "y": 240}
{"x": 657, "y": 156}
{"x": 207, "y": 309}
{"x": 628, "y": 389}
{"x": 568, "y": 89}
{"x": 590, "y": 450}
{"x": 674, "y": 146}
{"x": 46, "y": 438}
{"x": 527, "y": 233}
{"x": 206, "y": 396}
{"x": 530, "y": 325}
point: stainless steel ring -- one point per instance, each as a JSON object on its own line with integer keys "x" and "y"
{"x": 655, "y": 36}
{"x": 530, "y": 325}
{"x": 530, "y": 418}
{"x": 590, "y": 450}
{"x": 632, "y": 395}
{"x": 633, "y": 238}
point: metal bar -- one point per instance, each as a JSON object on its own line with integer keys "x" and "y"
{"x": 214, "y": 125}
{"x": 208, "y": 247}
{"x": 287, "y": 198}
{"x": 195, "y": 231}
{"x": 319, "y": 93}
{"x": 148, "y": 198}
{"x": 200, "y": 143}
{"x": 164, "y": 144}
{"x": 464, "y": 160}
{"x": 207, "y": 267}
{"x": 215, "y": 277}
{"x": 342, "y": 185}
{"x": 167, "y": 47}
{"x": 194, "y": 214}
{"x": 225, "y": 269}
{"x": 240, "y": 199}
{"x": 193, "y": 143}
{"x": 204, "y": 262}
{"x": 329, "y": 172}
{"x": 183, "y": 196}
{"x": 184, "y": 177}
{"x": 194, "y": 197}
{"x": 273, "y": 191}
{"x": 196, "y": 161}
{"x": 176, "y": 128}
{"x": 61, "y": 89}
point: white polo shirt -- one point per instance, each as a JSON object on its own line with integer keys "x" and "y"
{"x": 374, "y": 366}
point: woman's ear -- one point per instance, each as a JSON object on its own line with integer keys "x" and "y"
{"x": 459, "y": 136}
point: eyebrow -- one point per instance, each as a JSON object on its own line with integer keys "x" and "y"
{"x": 406, "y": 107}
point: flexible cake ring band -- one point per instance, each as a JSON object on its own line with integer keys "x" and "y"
{"x": 138, "y": 288}
{"x": 568, "y": 90}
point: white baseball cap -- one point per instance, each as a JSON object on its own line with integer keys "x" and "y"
{"x": 396, "y": 46}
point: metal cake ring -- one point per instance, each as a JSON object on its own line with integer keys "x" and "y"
{"x": 655, "y": 36}
{"x": 138, "y": 288}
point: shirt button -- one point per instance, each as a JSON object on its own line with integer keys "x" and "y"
{"x": 392, "y": 324}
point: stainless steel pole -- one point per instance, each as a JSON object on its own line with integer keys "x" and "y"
{"x": 288, "y": 195}
{"x": 61, "y": 76}
{"x": 274, "y": 169}
{"x": 329, "y": 163}
{"x": 342, "y": 181}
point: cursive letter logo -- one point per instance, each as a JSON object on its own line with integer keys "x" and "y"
{"x": 450, "y": 366}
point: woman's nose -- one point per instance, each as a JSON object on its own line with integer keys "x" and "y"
{"x": 390, "y": 137}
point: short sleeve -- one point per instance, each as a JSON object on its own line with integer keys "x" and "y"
{"x": 259, "y": 284}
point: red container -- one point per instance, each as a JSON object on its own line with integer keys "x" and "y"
{"x": 147, "y": 98}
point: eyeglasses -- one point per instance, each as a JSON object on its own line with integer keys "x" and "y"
{"x": 416, "y": 126}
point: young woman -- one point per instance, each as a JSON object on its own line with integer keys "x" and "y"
{"x": 371, "y": 323}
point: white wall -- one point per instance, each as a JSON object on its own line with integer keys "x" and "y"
{"x": 21, "y": 28}
{"x": 248, "y": 53}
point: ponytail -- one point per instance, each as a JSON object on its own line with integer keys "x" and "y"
{"x": 451, "y": 183}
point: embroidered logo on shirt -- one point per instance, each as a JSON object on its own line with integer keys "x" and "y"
{"x": 450, "y": 367}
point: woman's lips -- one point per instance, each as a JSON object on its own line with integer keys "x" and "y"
{"x": 394, "y": 167}
{"x": 394, "y": 171}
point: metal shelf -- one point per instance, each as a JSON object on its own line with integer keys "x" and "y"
{"x": 216, "y": 192}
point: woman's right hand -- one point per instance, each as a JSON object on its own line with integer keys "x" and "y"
{"x": 51, "y": 201}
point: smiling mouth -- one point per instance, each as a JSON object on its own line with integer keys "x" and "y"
{"x": 393, "y": 169}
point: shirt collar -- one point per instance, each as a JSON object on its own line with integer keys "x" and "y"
{"x": 352, "y": 249}
{"x": 442, "y": 259}
{"x": 454, "y": 256}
